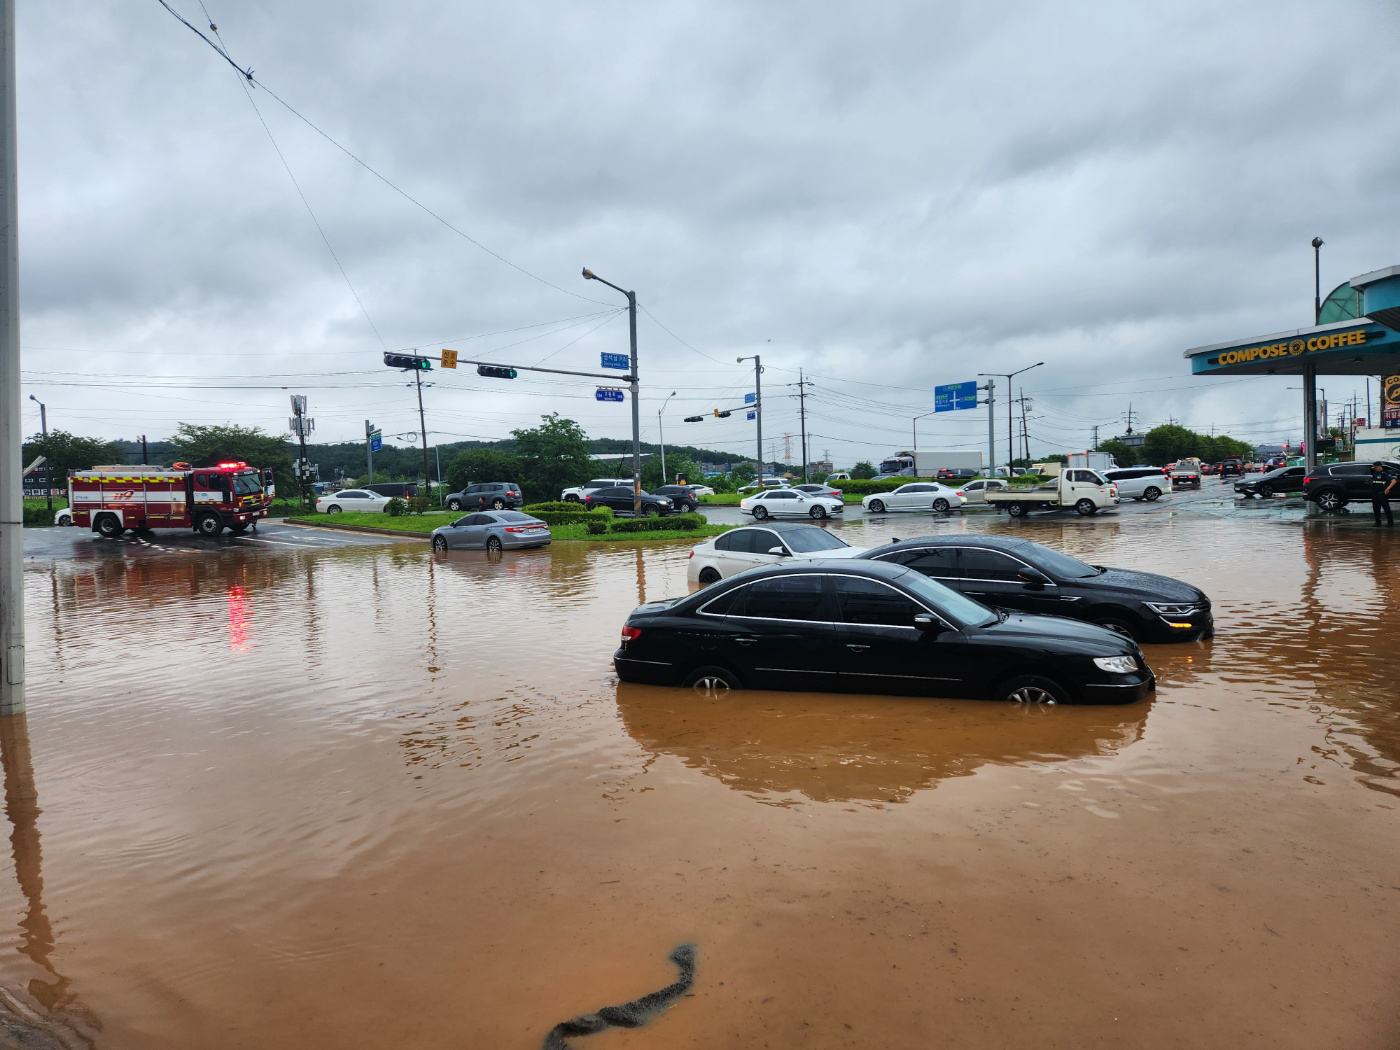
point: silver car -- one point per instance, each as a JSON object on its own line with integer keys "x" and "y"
{"x": 492, "y": 530}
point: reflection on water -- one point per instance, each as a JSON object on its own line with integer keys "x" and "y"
{"x": 285, "y": 778}
{"x": 774, "y": 746}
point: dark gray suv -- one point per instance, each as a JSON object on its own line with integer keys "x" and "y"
{"x": 1333, "y": 485}
{"x": 487, "y": 495}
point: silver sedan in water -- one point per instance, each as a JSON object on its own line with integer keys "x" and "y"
{"x": 492, "y": 530}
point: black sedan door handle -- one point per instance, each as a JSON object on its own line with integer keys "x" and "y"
{"x": 746, "y": 640}
{"x": 857, "y": 648}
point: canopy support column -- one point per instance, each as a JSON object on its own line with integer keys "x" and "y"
{"x": 1310, "y": 414}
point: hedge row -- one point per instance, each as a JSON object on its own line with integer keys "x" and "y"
{"x": 559, "y": 513}
{"x": 675, "y": 523}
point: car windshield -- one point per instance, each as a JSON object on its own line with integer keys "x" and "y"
{"x": 1062, "y": 565}
{"x": 961, "y": 610}
{"x": 815, "y": 539}
{"x": 247, "y": 484}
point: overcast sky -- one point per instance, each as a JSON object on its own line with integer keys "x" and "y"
{"x": 888, "y": 195}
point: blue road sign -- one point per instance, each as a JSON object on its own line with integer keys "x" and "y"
{"x": 749, "y": 399}
{"x": 376, "y": 441}
{"x": 952, "y": 396}
{"x": 608, "y": 393}
{"x": 615, "y": 361}
{"x": 751, "y": 415}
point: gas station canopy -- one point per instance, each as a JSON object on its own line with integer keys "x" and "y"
{"x": 1362, "y": 339}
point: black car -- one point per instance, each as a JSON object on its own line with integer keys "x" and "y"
{"x": 402, "y": 489}
{"x": 1333, "y": 485}
{"x": 619, "y": 498}
{"x": 1231, "y": 466}
{"x": 872, "y": 627}
{"x": 1011, "y": 573}
{"x": 487, "y": 495}
{"x": 683, "y": 497}
{"x": 956, "y": 474}
{"x": 1284, "y": 479}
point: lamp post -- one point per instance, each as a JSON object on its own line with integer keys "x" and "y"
{"x": 44, "y": 426}
{"x": 589, "y": 275}
{"x": 915, "y": 424}
{"x": 757, "y": 407}
{"x": 662, "y": 430}
{"x": 1010, "y": 436}
{"x": 1317, "y": 243}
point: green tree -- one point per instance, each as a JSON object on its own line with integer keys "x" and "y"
{"x": 63, "y": 452}
{"x": 552, "y": 457}
{"x": 863, "y": 470}
{"x": 481, "y": 464}
{"x": 1168, "y": 443}
{"x": 1124, "y": 455}
{"x": 675, "y": 464}
{"x": 742, "y": 474}
{"x": 204, "y": 446}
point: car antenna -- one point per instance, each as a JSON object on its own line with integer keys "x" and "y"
{"x": 894, "y": 539}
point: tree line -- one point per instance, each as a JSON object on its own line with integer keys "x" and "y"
{"x": 1171, "y": 442}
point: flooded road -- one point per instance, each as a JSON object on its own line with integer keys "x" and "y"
{"x": 371, "y": 798}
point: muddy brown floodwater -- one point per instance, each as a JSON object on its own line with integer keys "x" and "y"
{"x": 373, "y": 798}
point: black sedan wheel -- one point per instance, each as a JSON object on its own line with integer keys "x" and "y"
{"x": 1117, "y": 625}
{"x": 1030, "y": 689}
{"x": 651, "y": 510}
{"x": 439, "y": 543}
{"x": 1265, "y": 491}
{"x": 1331, "y": 499}
{"x": 713, "y": 681}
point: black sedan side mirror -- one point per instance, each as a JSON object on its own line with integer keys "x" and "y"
{"x": 1033, "y": 578}
{"x": 929, "y": 623}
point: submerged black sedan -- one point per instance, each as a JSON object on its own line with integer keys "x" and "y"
{"x": 872, "y": 627}
{"x": 1010, "y": 573}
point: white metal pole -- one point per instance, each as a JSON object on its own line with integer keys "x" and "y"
{"x": 11, "y": 434}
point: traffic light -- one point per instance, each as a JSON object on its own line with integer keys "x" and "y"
{"x": 721, "y": 415}
{"x": 407, "y": 361}
{"x": 495, "y": 372}
{"x": 695, "y": 419}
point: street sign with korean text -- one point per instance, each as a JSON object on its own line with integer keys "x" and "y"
{"x": 376, "y": 441}
{"x": 952, "y": 396}
{"x": 449, "y": 358}
{"x": 615, "y": 361}
{"x": 751, "y": 415}
{"x": 608, "y": 393}
{"x": 749, "y": 399}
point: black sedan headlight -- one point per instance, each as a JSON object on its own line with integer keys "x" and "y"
{"x": 1171, "y": 609}
{"x": 1116, "y": 664}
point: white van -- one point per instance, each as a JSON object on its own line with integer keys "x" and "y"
{"x": 1139, "y": 483}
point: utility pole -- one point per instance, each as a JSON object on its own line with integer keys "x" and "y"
{"x": 635, "y": 388}
{"x": 145, "y": 459}
{"x": 1130, "y": 417}
{"x": 369, "y": 451}
{"x": 1096, "y": 437}
{"x": 423, "y": 427}
{"x": 802, "y": 384}
{"x": 11, "y": 437}
{"x": 1025, "y": 436}
{"x": 44, "y": 426}
{"x": 991, "y": 389}
{"x": 757, "y": 407}
{"x": 301, "y": 426}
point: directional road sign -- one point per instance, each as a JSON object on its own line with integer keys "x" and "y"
{"x": 749, "y": 399}
{"x": 376, "y": 441}
{"x": 609, "y": 393}
{"x": 952, "y": 396}
{"x": 615, "y": 361}
{"x": 751, "y": 415}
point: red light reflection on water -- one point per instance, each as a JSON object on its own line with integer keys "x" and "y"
{"x": 238, "y": 619}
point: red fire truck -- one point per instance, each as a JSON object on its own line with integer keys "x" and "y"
{"x": 111, "y": 500}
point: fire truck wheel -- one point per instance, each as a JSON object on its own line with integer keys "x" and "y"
{"x": 209, "y": 525}
{"x": 109, "y": 526}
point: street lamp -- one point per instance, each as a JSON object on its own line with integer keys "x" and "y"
{"x": 44, "y": 426}
{"x": 1010, "y": 437}
{"x": 662, "y": 429}
{"x": 589, "y": 275}
{"x": 915, "y": 423}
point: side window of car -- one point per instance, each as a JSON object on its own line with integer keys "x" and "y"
{"x": 787, "y": 598}
{"x": 731, "y": 541}
{"x": 938, "y": 562}
{"x": 975, "y": 486}
{"x": 463, "y": 521}
{"x": 730, "y": 603}
{"x": 980, "y": 564}
{"x": 873, "y": 602}
{"x": 764, "y": 541}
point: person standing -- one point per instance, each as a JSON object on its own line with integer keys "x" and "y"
{"x": 1383, "y": 483}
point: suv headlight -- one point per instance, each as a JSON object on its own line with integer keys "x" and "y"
{"x": 1173, "y": 608}
{"x": 1116, "y": 664}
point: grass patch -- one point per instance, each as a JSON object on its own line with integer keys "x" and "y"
{"x": 415, "y": 524}
{"x": 423, "y": 523}
{"x": 580, "y": 532}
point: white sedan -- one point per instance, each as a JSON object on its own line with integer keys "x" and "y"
{"x": 351, "y": 500}
{"x": 789, "y": 503}
{"x": 920, "y": 495}
{"x": 754, "y": 545}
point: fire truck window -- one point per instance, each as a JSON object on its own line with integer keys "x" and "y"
{"x": 201, "y": 481}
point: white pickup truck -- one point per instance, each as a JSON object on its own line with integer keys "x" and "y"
{"x": 1087, "y": 491}
{"x": 1186, "y": 471}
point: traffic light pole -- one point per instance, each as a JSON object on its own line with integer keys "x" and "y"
{"x": 758, "y": 408}
{"x": 423, "y": 427}
{"x": 991, "y": 389}
{"x": 11, "y": 438}
{"x": 589, "y": 275}
{"x": 369, "y": 451}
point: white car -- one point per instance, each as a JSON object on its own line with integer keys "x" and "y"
{"x": 789, "y": 503}
{"x": 918, "y": 495}
{"x": 64, "y": 517}
{"x": 352, "y": 500}
{"x": 753, "y": 545}
{"x": 1139, "y": 483}
{"x": 767, "y": 483}
{"x": 976, "y": 491}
